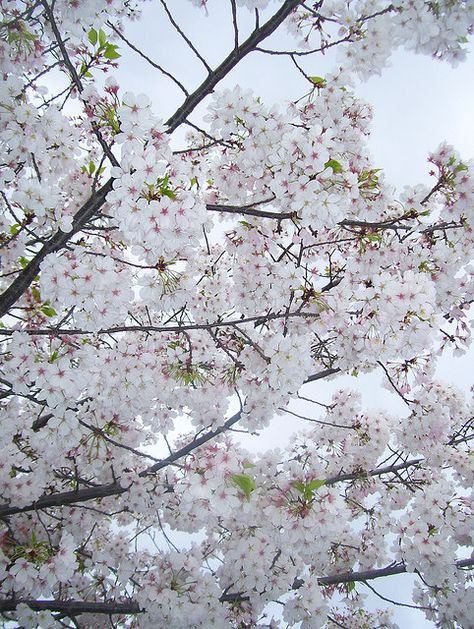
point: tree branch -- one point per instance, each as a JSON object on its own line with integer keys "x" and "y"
{"x": 322, "y": 374}
{"x": 147, "y": 59}
{"x": 75, "y": 78}
{"x": 250, "y": 211}
{"x": 72, "y": 607}
{"x": 256, "y": 319}
{"x": 237, "y": 54}
{"x": 185, "y": 37}
{"x": 378, "y": 471}
{"x": 234, "y": 23}
{"x": 65, "y": 498}
{"x": 369, "y": 575}
{"x": 55, "y": 243}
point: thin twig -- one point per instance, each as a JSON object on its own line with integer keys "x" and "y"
{"x": 185, "y": 37}
{"x": 316, "y": 421}
{"x": 389, "y": 600}
{"x": 394, "y": 386}
{"x": 234, "y": 23}
{"x": 100, "y": 433}
{"x": 147, "y": 59}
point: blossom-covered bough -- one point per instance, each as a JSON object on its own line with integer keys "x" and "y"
{"x": 154, "y": 296}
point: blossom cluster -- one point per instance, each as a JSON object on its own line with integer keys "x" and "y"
{"x": 156, "y": 299}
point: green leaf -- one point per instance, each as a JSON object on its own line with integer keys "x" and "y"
{"x": 301, "y": 487}
{"x": 84, "y": 71}
{"x": 168, "y": 193}
{"x": 369, "y": 175}
{"x": 36, "y": 294}
{"x": 317, "y": 80}
{"x": 91, "y": 167}
{"x": 102, "y": 38}
{"x": 48, "y": 311}
{"x": 111, "y": 52}
{"x": 248, "y": 466}
{"x": 24, "y": 262}
{"x": 14, "y": 229}
{"x": 92, "y": 36}
{"x": 373, "y": 237}
{"x": 424, "y": 267}
{"x": 334, "y": 164}
{"x": 29, "y": 36}
{"x": 307, "y": 490}
{"x": 350, "y": 586}
{"x": 315, "y": 484}
{"x": 53, "y": 357}
{"x": 245, "y": 483}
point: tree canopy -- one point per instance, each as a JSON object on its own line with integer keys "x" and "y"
{"x": 170, "y": 280}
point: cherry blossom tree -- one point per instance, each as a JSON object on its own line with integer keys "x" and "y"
{"x": 156, "y": 295}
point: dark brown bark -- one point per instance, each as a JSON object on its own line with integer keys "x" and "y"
{"x": 214, "y": 77}
{"x": 55, "y": 243}
{"x": 71, "y": 607}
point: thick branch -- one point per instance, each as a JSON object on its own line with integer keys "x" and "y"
{"x": 56, "y": 242}
{"x": 322, "y": 374}
{"x": 378, "y": 471}
{"x": 65, "y": 498}
{"x": 193, "y": 445}
{"x": 349, "y": 577}
{"x": 251, "y": 211}
{"x": 115, "y": 489}
{"x": 72, "y": 608}
{"x": 389, "y": 224}
{"x": 368, "y": 575}
{"x": 210, "y": 82}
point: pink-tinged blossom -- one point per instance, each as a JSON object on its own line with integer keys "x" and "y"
{"x": 169, "y": 289}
